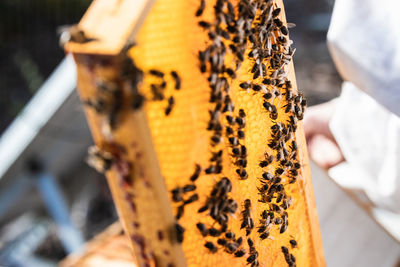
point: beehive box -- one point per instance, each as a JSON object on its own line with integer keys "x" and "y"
{"x": 198, "y": 130}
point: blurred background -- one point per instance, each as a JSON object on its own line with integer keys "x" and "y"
{"x": 51, "y": 202}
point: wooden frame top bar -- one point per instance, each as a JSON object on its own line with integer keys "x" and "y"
{"x": 111, "y": 23}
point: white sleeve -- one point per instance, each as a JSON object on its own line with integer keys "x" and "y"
{"x": 369, "y": 137}
{"x": 364, "y": 41}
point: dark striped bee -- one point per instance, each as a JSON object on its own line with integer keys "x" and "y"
{"x": 177, "y": 79}
{"x": 179, "y": 232}
{"x": 230, "y": 235}
{"x": 200, "y": 10}
{"x": 211, "y": 247}
{"x": 253, "y": 258}
{"x": 156, "y": 73}
{"x": 202, "y": 228}
{"x": 171, "y": 103}
{"x": 204, "y": 24}
{"x": 247, "y": 221}
{"x": 196, "y": 173}
{"x": 245, "y": 85}
{"x": 191, "y": 199}
{"x": 276, "y": 12}
{"x": 180, "y": 211}
{"x": 72, "y": 34}
{"x": 293, "y": 243}
{"x": 240, "y": 253}
{"x": 214, "y": 232}
{"x": 99, "y": 159}
{"x": 242, "y": 174}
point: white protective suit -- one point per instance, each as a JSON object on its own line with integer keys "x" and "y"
{"x": 364, "y": 41}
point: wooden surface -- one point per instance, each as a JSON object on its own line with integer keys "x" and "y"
{"x": 110, "y": 23}
{"x": 135, "y": 180}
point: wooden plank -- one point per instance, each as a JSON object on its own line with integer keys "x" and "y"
{"x": 111, "y": 24}
{"x": 135, "y": 180}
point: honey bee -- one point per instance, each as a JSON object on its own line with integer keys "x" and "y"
{"x": 244, "y": 85}
{"x": 191, "y": 199}
{"x": 171, "y": 103}
{"x": 231, "y": 247}
{"x": 216, "y": 139}
{"x": 211, "y": 247}
{"x": 233, "y": 141}
{"x": 177, "y": 194}
{"x": 202, "y": 228}
{"x": 240, "y": 253}
{"x": 256, "y": 75}
{"x": 276, "y": 12}
{"x": 240, "y": 134}
{"x": 229, "y": 130}
{"x": 177, "y": 79}
{"x": 180, "y": 212}
{"x": 247, "y": 221}
{"x": 179, "y": 232}
{"x": 156, "y": 73}
{"x": 73, "y": 33}
{"x": 240, "y": 121}
{"x": 267, "y": 176}
{"x": 253, "y": 258}
{"x": 200, "y": 10}
{"x": 242, "y": 173}
{"x": 189, "y": 188}
{"x": 230, "y": 235}
{"x": 230, "y": 119}
{"x": 137, "y": 101}
{"x": 196, "y": 173}
{"x": 99, "y": 159}
{"x": 204, "y": 24}
{"x": 222, "y": 241}
{"x": 214, "y": 232}
{"x": 229, "y": 71}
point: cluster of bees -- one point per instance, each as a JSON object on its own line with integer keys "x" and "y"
{"x": 179, "y": 193}
{"x": 254, "y": 24}
{"x": 111, "y": 98}
{"x": 271, "y": 47}
{"x": 289, "y": 257}
{"x": 109, "y": 103}
{"x": 226, "y": 28}
{"x": 220, "y": 206}
{"x": 158, "y": 88}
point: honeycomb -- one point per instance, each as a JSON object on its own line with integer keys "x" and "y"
{"x": 178, "y": 120}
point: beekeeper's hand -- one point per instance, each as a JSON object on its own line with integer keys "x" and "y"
{"x": 321, "y": 144}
